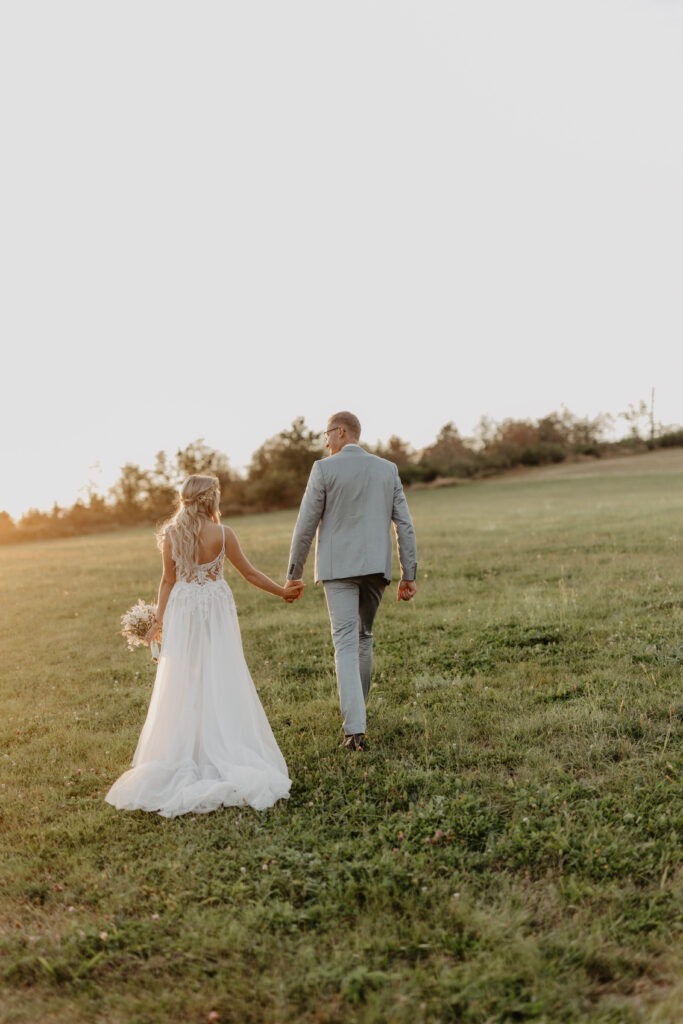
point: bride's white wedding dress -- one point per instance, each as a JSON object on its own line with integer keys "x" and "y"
{"x": 206, "y": 741}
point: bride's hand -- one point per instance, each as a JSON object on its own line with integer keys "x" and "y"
{"x": 152, "y": 633}
{"x": 293, "y": 590}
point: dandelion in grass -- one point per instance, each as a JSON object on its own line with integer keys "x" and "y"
{"x": 136, "y": 623}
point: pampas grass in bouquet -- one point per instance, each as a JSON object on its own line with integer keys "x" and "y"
{"x": 135, "y": 624}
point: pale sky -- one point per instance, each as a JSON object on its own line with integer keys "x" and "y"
{"x": 217, "y": 216}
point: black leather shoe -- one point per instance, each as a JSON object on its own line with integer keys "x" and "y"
{"x": 354, "y": 741}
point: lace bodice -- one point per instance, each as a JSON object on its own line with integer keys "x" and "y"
{"x": 206, "y": 572}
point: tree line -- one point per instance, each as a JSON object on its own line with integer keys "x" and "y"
{"x": 279, "y": 469}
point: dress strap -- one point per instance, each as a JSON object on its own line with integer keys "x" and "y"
{"x": 223, "y": 532}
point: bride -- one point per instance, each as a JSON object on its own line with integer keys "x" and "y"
{"x": 206, "y": 741}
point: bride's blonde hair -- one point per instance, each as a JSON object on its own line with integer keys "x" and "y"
{"x": 198, "y": 499}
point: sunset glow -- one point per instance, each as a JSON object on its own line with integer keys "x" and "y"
{"x": 273, "y": 214}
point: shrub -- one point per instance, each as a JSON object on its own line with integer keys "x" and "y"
{"x": 542, "y": 453}
{"x": 8, "y": 528}
{"x": 415, "y": 473}
{"x": 280, "y": 468}
{"x": 670, "y": 439}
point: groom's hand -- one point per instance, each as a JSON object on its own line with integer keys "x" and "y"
{"x": 407, "y": 589}
{"x": 294, "y": 590}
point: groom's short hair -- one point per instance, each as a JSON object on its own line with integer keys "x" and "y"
{"x": 347, "y": 420}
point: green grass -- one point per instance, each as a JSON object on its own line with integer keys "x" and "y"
{"x": 507, "y": 849}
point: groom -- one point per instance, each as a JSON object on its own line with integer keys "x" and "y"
{"x": 351, "y": 500}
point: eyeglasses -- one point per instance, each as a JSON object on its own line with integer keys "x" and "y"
{"x": 328, "y": 432}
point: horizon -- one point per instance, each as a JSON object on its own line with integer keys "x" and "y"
{"x": 611, "y": 437}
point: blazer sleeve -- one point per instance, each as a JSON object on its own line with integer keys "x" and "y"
{"x": 310, "y": 514}
{"x": 405, "y": 532}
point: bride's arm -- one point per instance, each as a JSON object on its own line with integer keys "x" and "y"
{"x": 166, "y": 585}
{"x": 252, "y": 575}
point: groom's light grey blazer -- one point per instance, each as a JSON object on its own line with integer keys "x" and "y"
{"x": 351, "y": 499}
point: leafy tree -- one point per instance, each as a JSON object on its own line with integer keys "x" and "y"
{"x": 505, "y": 445}
{"x": 280, "y": 468}
{"x": 587, "y": 436}
{"x": 638, "y": 419}
{"x": 35, "y": 525}
{"x": 485, "y": 432}
{"x": 555, "y": 428}
{"x": 162, "y": 492}
{"x": 78, "y": 517}
{"x": 395, "y": 450}
{"x": 199, "y": 457}
{"x": 410, "y": 467}
{"x": 130, "y": 494}
{"x": 521, "y": 442}
{"x": 8, "y": 528}
{"x": 100, "y": 513}
{"x": 449, "y": 455}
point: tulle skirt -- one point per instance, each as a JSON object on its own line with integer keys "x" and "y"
{"x": 206, "y": 741}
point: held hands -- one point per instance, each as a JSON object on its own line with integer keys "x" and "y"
{"x": 407, "y": 589}
{"x": 293, "y": 591}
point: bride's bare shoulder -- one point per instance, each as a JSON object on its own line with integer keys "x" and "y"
{"x": 209, "y": 529}
{"x": 210, "y": 541}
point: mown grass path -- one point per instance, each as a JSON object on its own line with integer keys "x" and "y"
{"x": 507, "y": 849}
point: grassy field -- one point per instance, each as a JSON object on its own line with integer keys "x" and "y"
{"x": 507, "y": 849}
